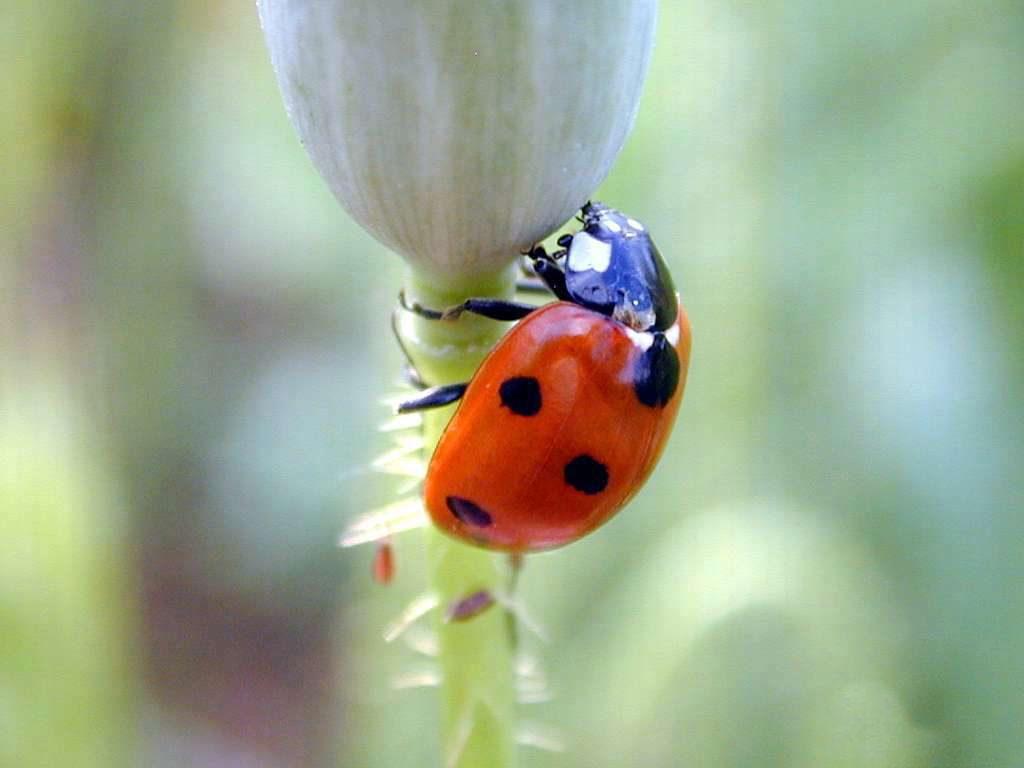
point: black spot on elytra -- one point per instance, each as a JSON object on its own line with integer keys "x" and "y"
{"x": 657, "y": 373}
{"x": 586, "y": 474}
{"x": 521, "y": 395}
{"x": 468, "y": 512}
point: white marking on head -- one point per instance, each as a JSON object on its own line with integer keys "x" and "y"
{"x": 587, "y": 252}
{"x": 672, "y": 335}
{"x": 612, "y": 225}
{"x": 642, "y": 340}
{"x": 635, "y": 225}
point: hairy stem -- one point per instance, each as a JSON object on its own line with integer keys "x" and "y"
{"x": 477, "y": 655}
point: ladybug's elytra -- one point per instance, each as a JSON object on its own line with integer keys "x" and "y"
{"x": 568, "y": 415}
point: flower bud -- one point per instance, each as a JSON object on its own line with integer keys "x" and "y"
{"x": 460, "y": 132}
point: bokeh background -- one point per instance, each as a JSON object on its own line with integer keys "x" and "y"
{"x": 826, "y": 570}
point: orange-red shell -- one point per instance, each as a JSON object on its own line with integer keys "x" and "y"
{"x": 512, "y": 467}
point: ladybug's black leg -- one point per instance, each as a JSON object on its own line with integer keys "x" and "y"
{"x": 531, "y": 281}
{"x": 554, "y": 279}
{"x": 495, "y": 309}
{"x": 547, "y": 269}
{"x": 408, "y": 369}
{"x": 434, "y": 397}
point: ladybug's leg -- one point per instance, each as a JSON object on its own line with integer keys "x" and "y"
{"x": 495, "y": 309}
{"x": 554, "y": 279}
{"x": 408, "y": 369}
{"x": 527, "y": 276}
{"x": 434, "y": 397}
{"x": 413, "y": 378}
{"x": 530, "y": 281}
{"x": 547, "y": 268}
{"x": 418, "y": 309}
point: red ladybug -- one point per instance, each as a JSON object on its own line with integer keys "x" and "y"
{"x": 566, "y": 418}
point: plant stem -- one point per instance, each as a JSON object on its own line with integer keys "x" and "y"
{"x": 476, "y": 656}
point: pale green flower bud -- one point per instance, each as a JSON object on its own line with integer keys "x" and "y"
{"x": 460, "y": 132}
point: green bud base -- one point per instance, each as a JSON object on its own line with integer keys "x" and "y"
{"x": 476, "y": 656}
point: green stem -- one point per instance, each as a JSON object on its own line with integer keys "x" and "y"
{"x": 476, "y": 656}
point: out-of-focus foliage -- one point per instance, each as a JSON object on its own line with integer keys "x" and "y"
{"x": 64, "y": 663}
{"x": 824, "y": 571}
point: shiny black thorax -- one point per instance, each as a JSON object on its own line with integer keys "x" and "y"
{"x": 613, "y": 267}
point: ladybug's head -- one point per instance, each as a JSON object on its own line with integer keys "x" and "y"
{"x": 614, "y": 268}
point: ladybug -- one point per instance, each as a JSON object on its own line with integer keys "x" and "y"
{"x": 567, "y": 416}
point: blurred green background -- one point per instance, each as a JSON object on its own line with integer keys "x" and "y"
{"x": 826, "y": 570}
